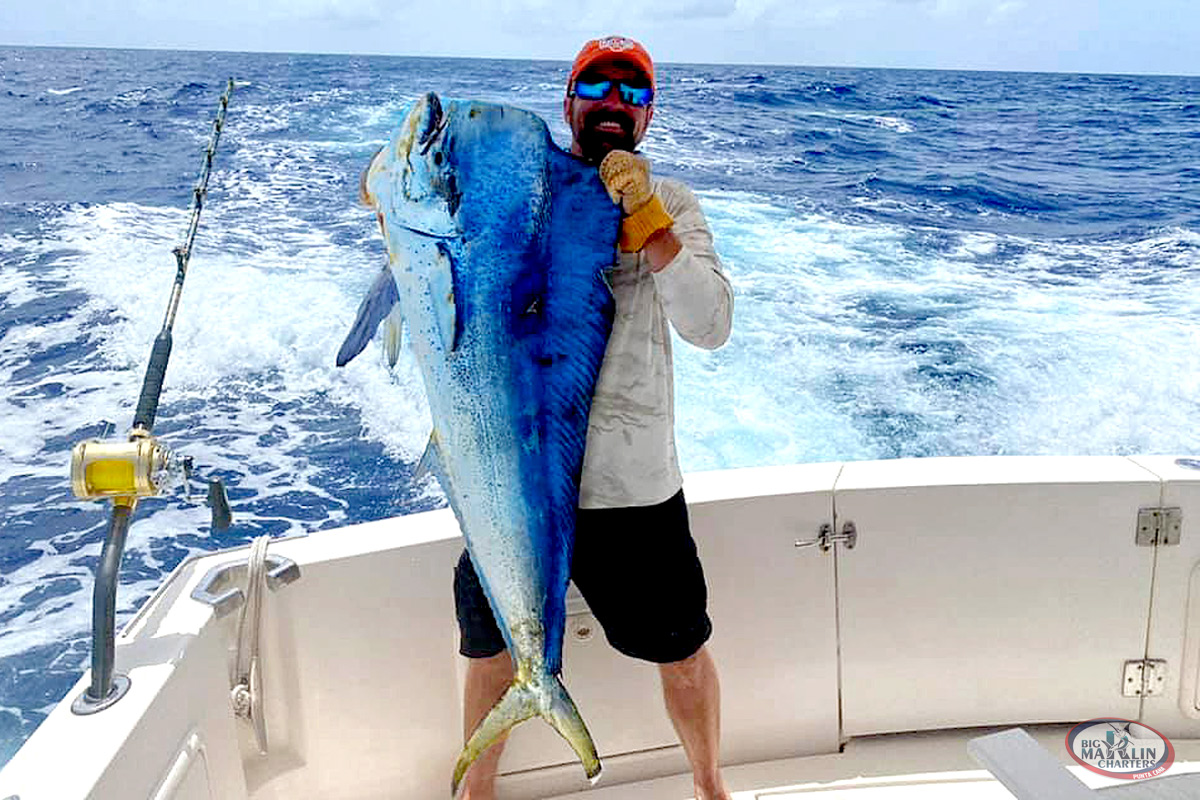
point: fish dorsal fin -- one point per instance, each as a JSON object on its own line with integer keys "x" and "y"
{"x": 381, "y": 298}
{"x": 442, "y": 285}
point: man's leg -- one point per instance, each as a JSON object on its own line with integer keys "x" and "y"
{"x": 489, "y": 673}
{"x": 693, "y": 696}
{"x": 640, "y": 573}
{"x": 487, "y": 679}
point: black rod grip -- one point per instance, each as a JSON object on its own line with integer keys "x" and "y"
{"x": 156, "y": 370}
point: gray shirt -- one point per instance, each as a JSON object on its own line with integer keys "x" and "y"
{"x": 630, "y": 457}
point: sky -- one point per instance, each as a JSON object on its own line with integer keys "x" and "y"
{"x": 1112, "y": 36}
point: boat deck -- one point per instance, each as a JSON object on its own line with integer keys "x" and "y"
{"x": 920, "y": 766}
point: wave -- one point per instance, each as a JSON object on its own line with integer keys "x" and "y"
{"x": 892, "y": 341}
{"x": 191, "y": 90}
{"x": 893, "y": 123}
{"x": 929, "y": 100}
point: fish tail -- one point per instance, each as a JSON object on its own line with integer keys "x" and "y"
{"x": 516, "y": 705}
{"x": 564, "y": 717}
{"x": 523, "y": 701}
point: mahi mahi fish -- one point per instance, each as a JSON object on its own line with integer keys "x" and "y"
{"x": 498, "y": 244}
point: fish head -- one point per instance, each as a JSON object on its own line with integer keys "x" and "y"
{"x": 411, "y": 182}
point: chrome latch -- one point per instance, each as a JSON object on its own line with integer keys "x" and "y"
{"x": 826, "y": 538}
{"x": 1144, "y": 678}
{"x": 1159, "y": 526}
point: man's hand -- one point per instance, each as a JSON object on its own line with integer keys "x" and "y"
{"x": 627, "y": 178}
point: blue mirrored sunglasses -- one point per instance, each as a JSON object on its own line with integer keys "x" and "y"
{"x": 598, "y": 90}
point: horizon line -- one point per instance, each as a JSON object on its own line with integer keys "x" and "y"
{"x": 567, "y": 61}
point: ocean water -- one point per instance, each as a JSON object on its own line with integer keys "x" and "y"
{"x": 925, "y": 263}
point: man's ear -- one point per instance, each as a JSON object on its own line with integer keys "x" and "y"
{"x": 646, "y": 126}
{"x": 567, "y": 110}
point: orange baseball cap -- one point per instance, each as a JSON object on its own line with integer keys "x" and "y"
{"x": 609, "y": 49}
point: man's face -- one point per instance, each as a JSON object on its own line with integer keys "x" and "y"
{"x": 598, "y": 126}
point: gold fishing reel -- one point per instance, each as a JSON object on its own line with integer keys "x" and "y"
{"x": 129, "y": 470}
{"x": 126, "y": 472}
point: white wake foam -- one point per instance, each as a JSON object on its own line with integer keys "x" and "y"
{"x": 859, "y": 341}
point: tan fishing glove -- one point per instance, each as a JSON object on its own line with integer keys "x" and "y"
{"x": 627, "y": 178}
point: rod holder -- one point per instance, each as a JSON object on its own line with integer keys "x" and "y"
{"x": 107, "y": 687}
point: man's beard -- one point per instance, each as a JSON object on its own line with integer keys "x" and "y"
{"x": 595, "y": 144}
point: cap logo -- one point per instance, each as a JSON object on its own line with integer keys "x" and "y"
{"x": 617, "y": 44}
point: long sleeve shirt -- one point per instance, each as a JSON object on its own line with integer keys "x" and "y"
{"x": 630, "y": 457}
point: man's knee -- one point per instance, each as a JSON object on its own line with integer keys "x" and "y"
{"x": 687, "y": 672}
{"x": 491, "y": 668}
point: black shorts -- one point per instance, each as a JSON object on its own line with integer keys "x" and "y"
{"x": 637, "y": 569}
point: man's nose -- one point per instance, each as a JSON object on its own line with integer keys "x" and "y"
{"x": 612, "y": 100}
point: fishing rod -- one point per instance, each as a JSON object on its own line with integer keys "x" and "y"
{"x": 126, "y": 472}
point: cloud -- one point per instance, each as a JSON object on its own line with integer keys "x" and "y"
{"x": 1004, "y": 10}
{"x": 1072, "y": 35}
{"x": 683, "y": 10}
{"x": 357, "y": 12}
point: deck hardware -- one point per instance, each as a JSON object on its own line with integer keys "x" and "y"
{"x": 221, "y": 586}
{"x": 826, "y": 538}
{"x": 822, "y": 536}
{"x": 583, "y": 627}
{"x": 1144, "y": 678}
{"x": 1157, "y": 526}
{"x": 246, "y": 694}
{"x": 848, "y": 536}
{"x": 85, "y": 704}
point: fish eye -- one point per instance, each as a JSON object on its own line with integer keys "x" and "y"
{"x": 437, "y": 157}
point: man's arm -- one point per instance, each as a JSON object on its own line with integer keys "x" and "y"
{"x": 661, "y": 248}
{"x": 695, "y": 292}
{"x": 665, "y": 224}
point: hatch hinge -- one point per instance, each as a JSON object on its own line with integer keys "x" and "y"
{"x": 826, "y": 538}
{"x": 1145, "y": 677}
{"x": 1157, "y": 526}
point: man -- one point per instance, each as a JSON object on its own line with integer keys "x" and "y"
{"x": 634, "y": 561}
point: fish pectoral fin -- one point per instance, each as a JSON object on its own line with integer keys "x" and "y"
{"x": 393, "y": 335}
{"x": 548, "y": 699}
{"x": 441, "y": 290}
{"x": 381, "y": 298}
{"x": 431, "y": 459}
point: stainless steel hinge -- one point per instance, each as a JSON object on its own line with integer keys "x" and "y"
{"x": 1144, "y": 678}
{"x": 1159, "y": 526}
{"x": 826, "y": 538}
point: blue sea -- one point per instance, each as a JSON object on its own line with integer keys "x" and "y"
{"x": 925, "y": 264}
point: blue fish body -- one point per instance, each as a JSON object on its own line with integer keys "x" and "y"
{"x": 498, "y": 245}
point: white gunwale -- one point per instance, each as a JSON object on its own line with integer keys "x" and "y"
{"x": 982, "y": 593}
